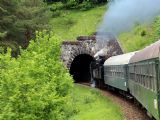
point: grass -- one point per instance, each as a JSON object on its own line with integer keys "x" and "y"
{"x": 71, "y": 23}
{"x": 91, "y": 105}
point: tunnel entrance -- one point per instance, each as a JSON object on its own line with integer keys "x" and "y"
{"x": 80, "y": 68}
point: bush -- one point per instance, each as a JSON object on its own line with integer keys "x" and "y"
{"x": 56, "y": 6}
{"x": 35, "y": 85}
{"x": 74, "y": 4}
{"x": 86, "y": 5}
{"x": 71, "y": 4}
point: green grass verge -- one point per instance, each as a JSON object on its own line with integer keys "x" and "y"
{"x": 91, "y": 105}
{"x": 71, "y": 23}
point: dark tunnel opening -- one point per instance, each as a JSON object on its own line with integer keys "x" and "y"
{"x": 80, "y": 68}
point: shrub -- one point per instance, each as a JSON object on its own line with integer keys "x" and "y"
{"x": 56, "y": 6}
{"x": 35, "y": 85}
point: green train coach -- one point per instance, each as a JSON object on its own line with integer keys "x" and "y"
{"x": 137, "y": 74}
{"x": 144, "y": 78}
{"x": 115, "y": 71}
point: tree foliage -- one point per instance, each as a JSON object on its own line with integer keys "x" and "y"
{"x": 20, "y": 19}
{"x": 35, "y": 85}
{"x": 85, "y": 4}
{"x": 7, "y": 18}
{"x": 78, "y": 1}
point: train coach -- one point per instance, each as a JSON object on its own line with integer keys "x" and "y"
{"x": 136, "y": 74}
{"x": 144, "y": 78}
{"x": 116, "y": 71}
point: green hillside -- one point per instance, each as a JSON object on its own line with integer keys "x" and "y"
{"x": 72, "y": 23}
{"x": 140, "y": 36}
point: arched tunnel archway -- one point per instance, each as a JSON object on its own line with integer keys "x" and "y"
{"x": 80, "y": 68}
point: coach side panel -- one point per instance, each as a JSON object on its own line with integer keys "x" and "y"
{"x": 143, "y": 81}
{"x": 115, "y": 76}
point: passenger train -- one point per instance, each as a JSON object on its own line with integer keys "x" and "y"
{"x": 136, "y": 73}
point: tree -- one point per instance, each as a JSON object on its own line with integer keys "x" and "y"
{"x": 76, "y": 1}
{"x": 21, "y": 18}
{"x": 33, "y": 15}
{"x": 7, "y": 18}
{"x": 40, "y": 91}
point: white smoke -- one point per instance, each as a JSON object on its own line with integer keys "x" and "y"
{"x": 122, "y": 15}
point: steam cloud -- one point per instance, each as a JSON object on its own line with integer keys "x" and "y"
{"x": 122, "y": 15}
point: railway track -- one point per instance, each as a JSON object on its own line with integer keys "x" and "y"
{"x": 131, "y": 110}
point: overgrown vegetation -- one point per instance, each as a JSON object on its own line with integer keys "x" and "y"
{"x": 141, "y": 36}
{"x": 35, "y": 85}
{"x": 91, "y": 105}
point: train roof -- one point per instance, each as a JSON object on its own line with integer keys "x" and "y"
{"x": 119, "y": 59}
{"x": 152, "y": 51}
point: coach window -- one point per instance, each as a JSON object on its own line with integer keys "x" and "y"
{"x": 144, "y": 77}
{"x": 144, "y": 74}
{"x": 141, "y": 75}
{"x": 115, "y": 71}
{"x": 148, "y": 75}
{"x": 152, "y": 75}
{"x": 111, "y": 71}
{"x": 155, "y": 77}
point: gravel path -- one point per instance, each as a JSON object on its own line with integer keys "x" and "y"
{"x": 131, "y": 110}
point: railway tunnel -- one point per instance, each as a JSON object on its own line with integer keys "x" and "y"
{"x": 77, "y": 55}
{"x": 80, "y": 68}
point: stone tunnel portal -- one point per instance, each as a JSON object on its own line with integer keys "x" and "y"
{"x": 80, "y": 68}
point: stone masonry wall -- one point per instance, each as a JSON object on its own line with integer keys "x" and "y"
{"x": 86, "y": 45}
